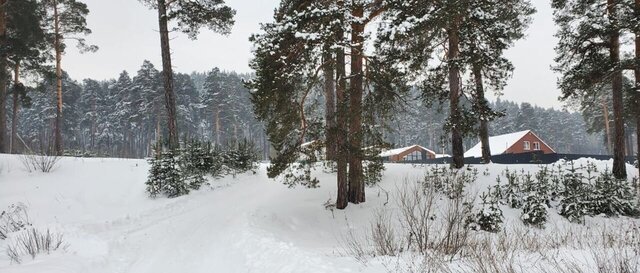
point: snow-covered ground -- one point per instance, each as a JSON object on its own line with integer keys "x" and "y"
{"x": 243, "y": 224}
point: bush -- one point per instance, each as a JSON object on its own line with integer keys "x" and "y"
{"x": 43, "y": 163}
{"x": 175, "y": 172}
{"x": 165, "y": 176}
{"x": 14, "y": 218}
{"x": 33, "y": 242}
{"x": 449, "y": 181}
{"x": 613, "y": 197}
{"x": 534, "y": 210}
{"x": 241, "y": 157}
{"x": 490, "y": 217}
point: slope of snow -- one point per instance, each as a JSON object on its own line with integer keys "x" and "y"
{"x": 244, "y": 224}
{"x": 499, "y": 144}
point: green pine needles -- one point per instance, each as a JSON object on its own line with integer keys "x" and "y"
{"x": 175, "y": 173}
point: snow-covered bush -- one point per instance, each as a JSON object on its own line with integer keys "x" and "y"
{"x": 14, "y": 218}
{"x": 195, "y": 161}
{"x": 39, "y": 163}
{"x": 175, "y": 172}
{"x": 613, "y": 197}
{"x": 574, "y": 202}
{"x": 534, "y": 210}
{"x": 449, "y": 181}
{"x": 512, "y": 191}
{"x": 536, "y": 198}
{"x": 490, "y": 217}
{"x": 33, "y": 242}
{"x": 165, "y": 176}
{"x": 373, "y": 171}
{"x": 241, "y": 157}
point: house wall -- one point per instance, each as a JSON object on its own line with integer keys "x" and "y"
{"x": 398, "y": 157}
{"x": 518, "y": 147}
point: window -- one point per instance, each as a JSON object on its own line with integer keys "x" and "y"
{"x": 527, "y": 146}
{"x": 536, "y": 146}
{"x": 415, "y": 156}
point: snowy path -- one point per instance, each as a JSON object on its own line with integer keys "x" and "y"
{"x": 247, "y": 224}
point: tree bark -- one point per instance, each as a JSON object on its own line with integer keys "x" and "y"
{"x": 3, "y": 78}
{"x": 330, "y": 103}
{"x": 167, "y": 75}
{"x": 619, "y": 165}
{"x": 58, "y": 48}
{"x": 218, "y": 126}
{"x": 637, "y": 76}
{"x": 342, "y": 152}
{"x": 356, "y": 183}
{"x": 14, "y": 117}
{"x": 454, "y": 89}
{"x": 607, "y": 126}
{"x": 481, "y": 103}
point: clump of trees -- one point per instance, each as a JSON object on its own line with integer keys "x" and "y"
{"x": 175, "y": 172}
{"x": 310, "y": 40}
{"x": 592, "y": 66}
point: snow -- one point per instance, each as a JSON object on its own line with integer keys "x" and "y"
{"x": 243, "y": 224}
{"x": 499, "y": 144}
{"x": 401, "y": 150}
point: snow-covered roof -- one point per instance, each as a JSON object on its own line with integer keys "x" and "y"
{"x": 499, "y": 144}
{"x": 402, "y": 150}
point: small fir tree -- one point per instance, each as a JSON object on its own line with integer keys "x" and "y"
{"x": 490, "y": 217}
{"x": 165, "y": 176}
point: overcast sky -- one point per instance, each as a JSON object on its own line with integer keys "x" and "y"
{"x": 126, "y": 32}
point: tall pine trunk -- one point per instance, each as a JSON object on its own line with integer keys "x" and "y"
{"x": 454, "y": 96}
{"x": 481, "y": 103}
{"x": 637, "y": 75}
{"x": 356, "y": 181}
{"x": 14, "y": 118}
{"x": 167, "y": 75}
{"x": 607, "y": 126}
{"x": 619, "y": 165}
{"x": 330, "y": 103}
{"x": 58, "y": 48}
{"x": 342, "y": 152}
{"x": 94, "y": 109}
{"x": 3, "y": 77}
{"x": 217, "y": 126}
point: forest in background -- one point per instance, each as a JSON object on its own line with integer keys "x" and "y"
{"x": 124, "y": 117}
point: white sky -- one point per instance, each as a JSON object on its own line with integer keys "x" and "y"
{"x": 126, "y": 32}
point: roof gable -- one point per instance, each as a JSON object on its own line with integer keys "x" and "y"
{"x": 499, "y": 144}
{"x": 402, "y": 150}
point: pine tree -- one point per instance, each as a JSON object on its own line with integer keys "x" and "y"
{"x": 66, "y": 18}
{"x": 190, "y": 16}
{"x": 289, "y": 58}
{"x": 25, "y": 47}
{"x": 164, "y": 176}
{"x": 588, "y": 57}
{"x": 490, "y": 217}
{"x": 476, "y": 33}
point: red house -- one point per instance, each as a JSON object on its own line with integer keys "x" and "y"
{"x": 514, "y": 143}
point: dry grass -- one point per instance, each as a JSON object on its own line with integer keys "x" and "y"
{"x": 33, "y": 242}
{"x": 426, "y": 233}
{"x": 39, "y": 163}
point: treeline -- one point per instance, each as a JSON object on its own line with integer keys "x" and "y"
{"x": 566, "y": 132}
{"x": 124, "y": 117}
{"x": 34, "y": 35}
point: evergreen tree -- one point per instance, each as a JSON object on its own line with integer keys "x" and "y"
{"x": 476, "y": 33}
{"x": 588, "y": 57}
{"x": 65, "y": 18}
{"x": 289, "y": 58}
{"x": 190, "y": 16}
